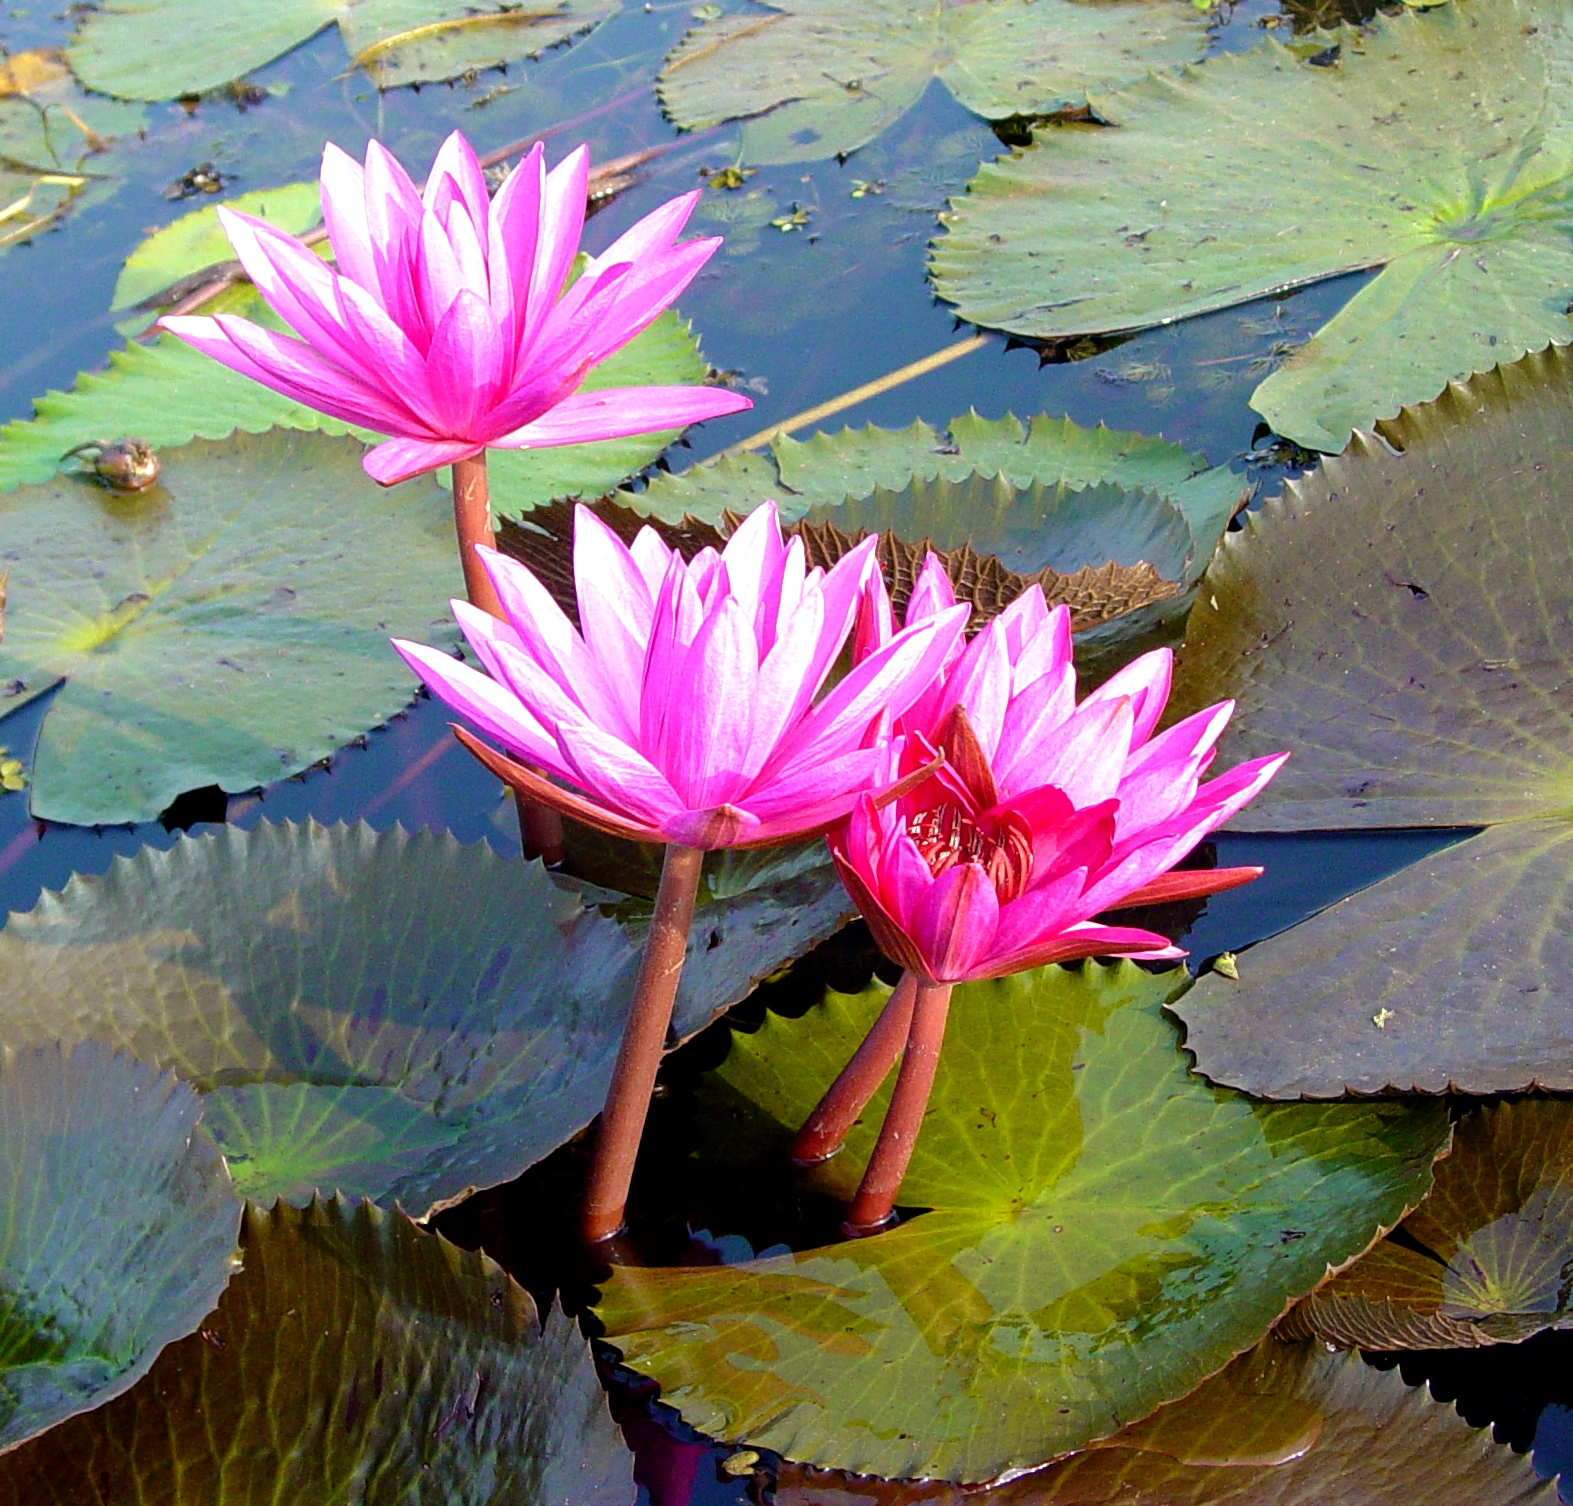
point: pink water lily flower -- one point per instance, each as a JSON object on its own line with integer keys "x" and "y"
{"x": 1047, "y": 812}
{"x": 686, "y": 708}
{"x": 449, "y": 324}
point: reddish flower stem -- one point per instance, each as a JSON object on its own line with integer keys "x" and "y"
{"x": 644, "y": 1039}
{"x": 540, "y": 827}
{"x": 825, "y": 1129}
{"x": 872, "y": 1208}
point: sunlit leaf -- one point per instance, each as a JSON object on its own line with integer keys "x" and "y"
{"x": 399, "y": 1017}
{"x": 117, "y": 1228}
{"x": 226, "y": 626}
{"x": 1035, "y": 517}
{"x": 1436, "y": 144}
{"x": 1398, "y": 622}
{"x": 355, "y": 1358}
{"x": 816, "y": 78}
{"x": 1105, "y": 1231}
{"x": 165, "y": 49}
{"x": 1284, "y": 1425}
{"x": 1485, "y": 1259}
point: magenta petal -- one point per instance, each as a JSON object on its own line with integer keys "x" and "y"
{"x": 490, "y": 706}
{"x": 616, "y": 412}
{"x": 561, "y": 222}
{"x": 955, "y": 922}
{"x": 456, "y": 163}
{"x": 397, "y": 460}
{"x": 343, "y": 195}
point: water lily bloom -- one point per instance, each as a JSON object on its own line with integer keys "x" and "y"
{"x": 1047, "y": 812}
{"x": 450, "y": 324}
{"x": 686, "y": 708}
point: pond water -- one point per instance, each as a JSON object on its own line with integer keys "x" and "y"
{"x": 798, "y": 315}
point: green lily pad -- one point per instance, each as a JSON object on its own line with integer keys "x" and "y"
{"x": 1397, "y": 622}
{"x": 226, "y": 626}
{"x": 167, "y": 393}
{"x": 1438, "y": 145}
{"x": 117, "y": 1228}
{"x": 820, "y": 78}
{"x": 168, "y": 49}
{"x": 1105, "y": 1231}
{"x": 355, "y": 1358}
{"x": 197, "y": 240}
{"x": 396, "y": 1016}
{"x": 1484, "y": 1260}
{"x": 1049, "y": 461}
{"x": 1283, "y": 1425}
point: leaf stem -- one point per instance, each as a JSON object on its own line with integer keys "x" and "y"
{"x": 827, "y": 1127}
{"x": 873, "y": 1207}
{"x": 644, "y": 1039}
{"x": 540, "y": 827}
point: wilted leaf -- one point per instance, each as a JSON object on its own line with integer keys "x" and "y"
{"x": 396, "y": 1016}
{"x": 117, "y": 1228}
{"x": 817, "y": 78}
{"x": 1105, "y": 1231}
{"x": 227, "y": 626}
{"x": 1438, "y": 145}
{"x": 1040, "y": 468}
{"x": 1398, "y": 622}
{"x": 166, "y": 49}
{"x": 543, "y": 540}
{"x": 1484, "y": 1260}
{"x": 1284, "y": 1425}
{"x": 355, "y": 1358}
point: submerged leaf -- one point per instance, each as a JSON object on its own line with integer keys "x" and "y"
{"x": 167, "y": 49}
{"x": 227, "y": 626}
{"x": 1002, "y": 486}
{"x": 819, "y": 78}
{"x": 1283, "y": 1425}
{"x": 1484, "y": 1260}
{"x": 1398, "y": 621}
{"x": 393, "y": 1015}
{"x": 117, "y": 1228}
{"x": 1436, "y": 145}
{"x": 1105, "y": 1231}
{"x": 355, "y": 1358}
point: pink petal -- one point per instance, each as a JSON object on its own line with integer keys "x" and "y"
{"x": 616, "y": 606}
{"x": 456, "y": 164}
{"x": 706, "y": 748}
{"x": 490, "y": 706}
{"x": 615, "y": 412}
{"x": 561, "y": 221}
{"x": 462, "y": 364}
{"x": 1087, "y": 940}
{"x": 397, "y": 460}
{"x": 393, "y": 217}
{"x": 1146, "y": 682}
{"x": 955, "y": 923}
{"x": 931, "y": 594}
{"x": 343, "y": 194}
{"x": 655, "y": 232}
{"x": 512, "y": 228}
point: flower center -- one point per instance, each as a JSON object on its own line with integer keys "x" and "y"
{"x": 945, "y": 835}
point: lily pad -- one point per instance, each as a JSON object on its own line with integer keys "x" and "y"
{"x": 226, "y": 626}
{"x": 393, "y": 1015}
{"x": 820, "y": 78}
{"x": 1284, "y": 1425}
{"x": 169, "y": 49}
{"x": 1397, "y": 621}
{"x": 1436, "y": 145}
{"x": 1050, "y": 460}
{"x": 167, "y": 393}
{"x": 117, "y": 1229}
{"x": 1104, "y": 1232}
{"x": 1484, "y": 1260}
{"x": 355, "y": 1358}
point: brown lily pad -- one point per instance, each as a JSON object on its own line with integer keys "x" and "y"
{"x": 1486, "y": 1259}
